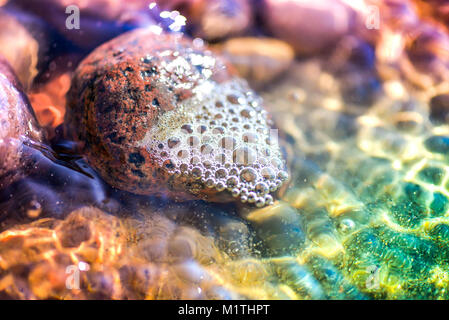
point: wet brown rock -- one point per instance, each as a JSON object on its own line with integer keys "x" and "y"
{"x": 309, "y": 26}
{"x": 258, "y": 60}
{"x": 100, "y": 20}
{"x": 48, "y": 101}
{"x": 17, "y": 126}
{"x": 160, "y": 114}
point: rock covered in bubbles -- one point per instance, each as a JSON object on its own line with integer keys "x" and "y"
{"x": 17, "y": 125}
{"x": 309, "y": 26}
{"x": 159, "y": 114}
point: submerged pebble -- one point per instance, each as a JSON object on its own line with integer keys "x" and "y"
{"x": 99, "y": 20}
{"x": 438, "y": 144}
{"x": 17, "y": 126}
{"x": 439, "y": 108}
{"x": 309, "y": 26}
{"x": 160, "y": 115}
{"x": 258, "y": 60}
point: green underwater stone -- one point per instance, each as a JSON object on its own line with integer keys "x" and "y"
{"x": 438, "y": 144}
{"x": 408, "y": 213}
{"x": 439, "y": 204}
{"x": 432, "y": 175}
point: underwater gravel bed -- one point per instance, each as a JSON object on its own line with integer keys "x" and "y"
{"x": 150, "y": 158}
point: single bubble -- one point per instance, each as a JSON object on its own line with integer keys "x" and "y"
{"x": 210, "y": 183}
{"x": 197, "y": 172}
{"x": 220, "y": 186}
{"x": 173, "y": 142}
{"x": 247, "y": 113}
{"x": 232, "y": 99}
{"x": 278, "y": 183}
{"x": 261, "y": 188}
{"x": 268, "y": 200}
{"x": 267, "y": 173}
{"x": 260, "y": 202}
{"x": 248, "y": 175}
{"x": 244, "y": 156}
{"x": 34, "y": 209}
{"x": 186, "y": 128}
{"x": 207, "y": 174}
{"x": 234, "y": 172}
{"x": 227, "y": 143}
{"x": 252, "y": 197}
{"x": 221, "y": 173}
{"x": 201, "y": 129}
{"x": 346, "y": 225}
{"x": 168, "y": 164}
{"x": 195, "y": 160}
{"x": 207, "y": 164}
{"x": 232, "y": 182}
{"x": 182, "y": 154}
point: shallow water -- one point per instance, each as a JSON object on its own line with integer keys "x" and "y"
{"x": 363, "y": 215}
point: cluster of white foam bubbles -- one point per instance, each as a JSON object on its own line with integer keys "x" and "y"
{"x": 220, "y": 137}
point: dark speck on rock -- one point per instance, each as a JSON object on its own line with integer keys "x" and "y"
{"x": 136, "y": 158}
